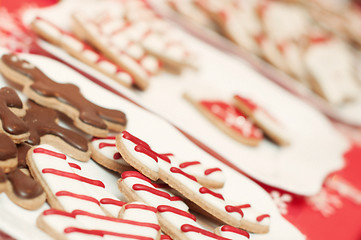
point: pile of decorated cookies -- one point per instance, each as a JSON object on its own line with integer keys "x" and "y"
{"x": 39, "y": 161}
{"x": 289, "y": 37}
{"x": 124, "y": 40}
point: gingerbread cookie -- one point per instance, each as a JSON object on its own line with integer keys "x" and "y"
{"x": 44, "y": 128}
{"x": 11, "y": 108}
{"x": 263, "y": 119}
{"x": 160, "y": 166}
{"x": 20, "y": 188}
{"x": 65, "y": 98}
{"x": 225, "y": 116}
{"x": 80, "y": 50}
{"x": 8, "y": 153}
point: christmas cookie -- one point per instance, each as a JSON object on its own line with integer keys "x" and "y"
{"x": 141, "y": 156}
{"x": 104, "y": 152}
{"x": 263, "y": 119}
{"x": 8, "y": 154}
{"x": 225, "y": 116}
{"x": 66, "y": 98}
{"x": 80, "y": 50}
{"x": 11, "y": 108}
{"x": 44, "y": 128}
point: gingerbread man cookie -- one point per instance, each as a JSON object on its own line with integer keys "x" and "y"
{"x": 65, "y": 98}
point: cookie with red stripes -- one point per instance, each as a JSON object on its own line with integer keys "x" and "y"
{"x": 142, "y": 156}
{"x": 104, "y": 152}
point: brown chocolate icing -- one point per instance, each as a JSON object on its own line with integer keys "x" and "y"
{"x": 89, "y": 113}
{"x": 42, "y": 121}
{"x": 11, "y": 123}
{"x": 2, "y": 177}
{"x": 23, "y": 149}
{"x": 7, "y": 147}
{"x": 23, "y": 185}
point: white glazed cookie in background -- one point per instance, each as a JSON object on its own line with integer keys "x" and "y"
{"x": 263, "y": 119}
{"x": 156, "y": 166}
{"x": 331, "y": 65}
{"x": 224, "y": 115}
{"x": 80, "y": 50}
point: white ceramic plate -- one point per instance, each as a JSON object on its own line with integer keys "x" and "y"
{"x": 316, "y": 148}
{"x": 161, "y": 135}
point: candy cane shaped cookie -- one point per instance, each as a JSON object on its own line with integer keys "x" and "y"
{"x": 224, "y": 116}
{"x": 263, "y": 119}
{"x": 159, "y": 166}
{"x": 104, "y": 151}
{"x": 11, "y": 108}
{"x": 137, "y": 221}
{"x": 66, "y": 98}
{"x": 80, "y": 50}
{"x": 174, "y": 218}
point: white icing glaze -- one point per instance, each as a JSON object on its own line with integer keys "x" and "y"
{"x": 108, "y": 150}
{"x": 90, "y": 55}
{"x": 331, "y": 64}
{"x": 108, "y": 67}
{"x": 135, "y": 51}
{"x": 48, "y": 29}
{"x": 125, "y": 77}
{"x": 150, "y": 64}
{"x": 72, "y": 43}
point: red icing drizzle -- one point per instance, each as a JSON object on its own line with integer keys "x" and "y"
{"x": 187, "y": 164}
{"x": 112, "y": 219}
{"x": 165, "y": 237}
{"x": 166, "y": 208}
{"x": 177, "y": 170}
{"x": 103, "y": 233}
{"x": 175, "y": 198}
{"x": 261, "y": 217}
{"x": 238, "y": 209}
{"x": 49, "y": 152}
{"x": 190, "y": 228}
{"x": 53, "y": 211}
{"x": 141, "y": 187}
{"x": 109, "y": 137}
{"x": 227, "y": 228}
{"x": 248, "y": 102}
{"x": 103, "y": 145}
{"x": 79, "y": 196}
{"x": 136, "y": 175}
{"x": 144, "y": 148}
{"x": 73, "y": 176}
{"x": 117, "y": 155}
{"x": 204, "y": 190}
{"x": 231, "y": 117}
{"x": 112, "y": 201}
{"x": 74, "y": 165}
{"x": 139, "y": 206}
{"x": 212, "y": 170}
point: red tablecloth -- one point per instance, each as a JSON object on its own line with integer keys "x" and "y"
{"x": 334, "y": 213}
